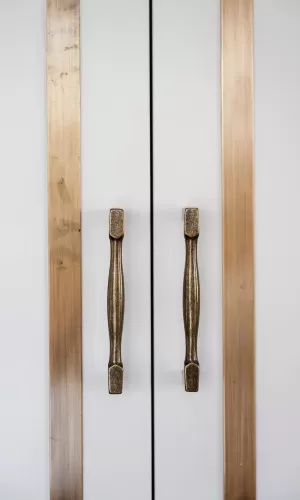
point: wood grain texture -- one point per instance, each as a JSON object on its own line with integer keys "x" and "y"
{"x": 63, "y": 82}
{"x": 238, "y": 250}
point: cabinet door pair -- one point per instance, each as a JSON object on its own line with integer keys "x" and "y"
{"x": 155, "y": 434}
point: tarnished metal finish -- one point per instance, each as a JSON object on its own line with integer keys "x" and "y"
{"x": 191, "y": 222}
{"x": 115, "y": 301}
{"x": 191, "y": 299}
{"x": 116, "y": 223}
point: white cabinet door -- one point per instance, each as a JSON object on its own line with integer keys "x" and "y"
{"x": 188, "y": 438}
{"x": 24, "y": 366}
{"x": 115, "y": 173}
{"x": 277, "y": 247}
{"x": 187, "y": 173}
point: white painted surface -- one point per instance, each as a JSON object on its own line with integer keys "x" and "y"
{"x": 24, "y": 365}
{"x": 187, "y": 166}
{"x": 116, "y": 173}
{"x": 277, "y": 212}
{"x": 115, "y": 160}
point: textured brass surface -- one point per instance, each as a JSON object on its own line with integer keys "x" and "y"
{"x": 116, "y": 223}
{"x": 115, "y": 379}
{"x": 191, "y": 222}
{"x": 238, "y": 187}
{"x": 65, "y": 254}
{"x": 191, "y": 377}
{"x": 191, "y": 299}
{"x": 115, "y": 301}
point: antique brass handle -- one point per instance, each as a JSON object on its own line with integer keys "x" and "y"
{"x": 115, "y": 301}
{"x": 191, "y": 299}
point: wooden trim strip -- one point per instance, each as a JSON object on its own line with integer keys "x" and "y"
{"x": 238, "y": 250}
{"x": 64, "y": 222}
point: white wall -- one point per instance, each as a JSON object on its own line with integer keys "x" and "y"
{"x": 23, "y": 253}
{"x": 277, "y": 212}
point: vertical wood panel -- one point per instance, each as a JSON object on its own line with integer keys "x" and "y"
{"x": 238, "y": 250}
{"x": 63, "y": 61}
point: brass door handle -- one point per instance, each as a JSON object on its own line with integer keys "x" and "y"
{"x": 191, "y": 299}
{"x": 115, "y": 301}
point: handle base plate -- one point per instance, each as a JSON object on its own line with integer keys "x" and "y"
{"x": 115, "y": 379}
{"x": 191, "y": 377}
